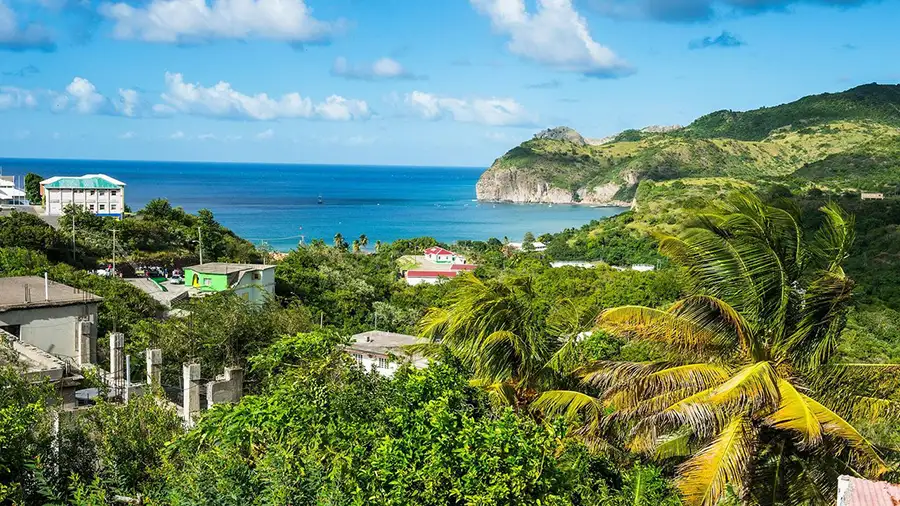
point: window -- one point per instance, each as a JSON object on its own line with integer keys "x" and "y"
{"x": 383, "y": 363}
{"x": 79, "y": 191}
{"x": 358, "y": 358}
{"x": 102, "y": 207}
{"x": 257, "y": 276}
{"x": 91, "y": 207}
{"x": 114, "y": 192}
{"x": 101, "y": 193}
{"x": 15, "y": 330}
{"x": 112, "y": 207}
{"x": 91, "y": 192}
{"x": 207, "y": 282}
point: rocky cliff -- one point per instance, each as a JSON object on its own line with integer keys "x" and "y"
{"x": 514, "y": 184}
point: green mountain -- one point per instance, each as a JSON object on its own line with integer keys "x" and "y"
{"x": 833, "y": 140}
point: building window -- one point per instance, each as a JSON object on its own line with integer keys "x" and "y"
{"x": 91, "y": 207}
{"x": 102, "y": 207}
{"x": 101, "y": 192}
{"x": 207, "y": 282}
{"x": 383, "y": 363}
{"x": 358, "y": 358}
{"x": 113, "y": 192}
{"x": 91, "y": 192}
{"x": 112, "y": 207}
{"x": 257, "y": 276}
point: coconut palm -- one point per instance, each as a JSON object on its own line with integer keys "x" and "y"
{"x": 363, "y": 241}
{"x": 749, "y": 388}
{"x": 356, "y": 245}
{"x": 339, "y": 241}
{"x": 497, "y": 328}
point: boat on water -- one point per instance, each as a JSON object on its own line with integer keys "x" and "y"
{"x": 320, "y": 200}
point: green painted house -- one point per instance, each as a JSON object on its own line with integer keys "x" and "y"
{"x": 253, "y": 282}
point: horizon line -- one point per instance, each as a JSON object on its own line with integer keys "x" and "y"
{"x": 113, "y": 160}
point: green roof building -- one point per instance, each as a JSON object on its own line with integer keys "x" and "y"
{"x": 97, "y": 193}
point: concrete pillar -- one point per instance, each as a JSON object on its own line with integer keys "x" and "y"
{"x": 191, "y": 385}
{"x": 154, "y": 368}
{"x": 228, "y": 387}
{"x": 117, "y": 363}
{"x": 83, "y": 343}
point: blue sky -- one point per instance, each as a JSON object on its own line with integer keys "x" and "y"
{"x": 412, "y": 82}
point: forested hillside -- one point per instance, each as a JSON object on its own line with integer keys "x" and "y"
{"x": 845, "y": 140}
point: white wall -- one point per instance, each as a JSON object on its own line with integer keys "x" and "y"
{"x": 53, "y": 329}
{"x": 425, "y": 281}
{"x": 368, "y": 361}
{"x": 58, "y": 198}
{"x": 256, "y": 290}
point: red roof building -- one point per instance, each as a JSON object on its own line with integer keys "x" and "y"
{"x": 437, "y": 250}
{"x": 857, "y": 492}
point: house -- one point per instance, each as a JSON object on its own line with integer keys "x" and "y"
{"x": 518, "y": 246}
{"x": 97, "y": 193}
{"x": 384, "y": 351}
{"x": 858, "y": 492}
{"x": 871, "y": 196}
{"x": 432, "y": 277}
{"x": 37, "y": 365}
{"x": 52, "y": 317}
{"x": 643, "y": 267}
{"x": 438, "y": 255}
{"x": 253, "y": 282}
{"x": 9, "y": 194}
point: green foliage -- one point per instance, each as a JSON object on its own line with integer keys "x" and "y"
{"x": 33, "y": 188}
{"x": 24, "y": 431}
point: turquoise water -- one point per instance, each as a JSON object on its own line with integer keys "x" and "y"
{"x": 277, "y": 203}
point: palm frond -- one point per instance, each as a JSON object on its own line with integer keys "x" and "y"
{"x": 672, "y": 445}
{"x": 717, "y": 316}
{"x": 795, "y": 414}
{"x": 834, "y": 425}
{"x": 832, "y": 241}
{"x": 754, "y": 385}
{"x": 726, "y": 461}
{"x": 660, "y": 326}
{"x": 570, "y": 403}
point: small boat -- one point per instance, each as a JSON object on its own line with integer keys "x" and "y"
{"x": 320, "y": 200}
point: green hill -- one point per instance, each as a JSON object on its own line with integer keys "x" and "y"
{"x": 848, "y": 140}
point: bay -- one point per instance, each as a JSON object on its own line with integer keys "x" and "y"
{"x": 277, "y": 203}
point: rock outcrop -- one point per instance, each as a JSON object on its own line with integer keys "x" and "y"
{"x": 511, "y": 184}
{"x": 561, "y": 133}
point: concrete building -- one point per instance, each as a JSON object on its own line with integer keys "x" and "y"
{"x": 572, "y": 263}
{"x": 384, "y": 351}
{"x": 434, "y": 276}
{"x": 871, "y": 196}
{"x": 37, "y": 365}
{"x": 97, "y": 193}
{"x": 9, "y": 194}
{"x": 436, "y": 266}
{"x": 53, "y": 317}
{"x": 253, "y": 282}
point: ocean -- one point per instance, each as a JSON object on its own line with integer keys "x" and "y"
{"x": 277, "y": 203}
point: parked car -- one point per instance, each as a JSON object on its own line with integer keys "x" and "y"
{"x": 176, "y": 280}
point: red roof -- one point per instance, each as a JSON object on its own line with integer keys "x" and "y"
{"x": 857, "y": 492}
{"x": 431, "y": 274}
{"x": 437, "y": 250}
{"x": 463, "y": 267}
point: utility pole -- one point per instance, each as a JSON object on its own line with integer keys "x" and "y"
{"x": 73, "y": 238}
{"x": 200, "y": 243}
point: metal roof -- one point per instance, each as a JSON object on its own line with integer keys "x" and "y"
{"x": 88, "y": 181}
{"x": 858, "y": 492}
{"x": 227, "y": 268}
{"x": 26, "y": 292}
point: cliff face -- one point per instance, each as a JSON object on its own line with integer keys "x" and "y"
{"x": 512, "y": 184}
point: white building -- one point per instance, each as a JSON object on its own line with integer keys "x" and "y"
{"x": 9, "y": 194}
{"x": 53, "y": 317}
{"x": 97, "y": 193}
{"x": 572, "y": 263}
{"x": 252, "y": 282}
{"x": 439, "y": 255}
{"x": 518, "y": 246}
{"x": 384, "y": 351}
{"x": 643, "y": 267}
{"x": 871, "y": 196}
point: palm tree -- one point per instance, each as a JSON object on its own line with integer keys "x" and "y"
{"x": 356, "y": 245}
{"x": 363, "y": 241}
{"x": 339, "y": 240}
{"x": 495, "y": 328}
{"x": 750, "y": 389}
{"x": 377, "y": 246}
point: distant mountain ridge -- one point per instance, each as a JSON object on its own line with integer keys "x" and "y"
{"x": 849, "y": 139}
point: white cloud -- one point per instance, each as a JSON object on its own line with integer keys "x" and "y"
{"x": 383, "y": 68}
{"x": 16, "y": 98}
{"x": 175, "y": 21}
{"x": 127, "y": 135}
{"x": 221, "y": 100}
{"x": 265, "y": 134}
{"x": 85, "y": 97}
{"x": 178, "y": 135}
{"x": 486, "y": 111}
{"x": 206, "y": 137}
{"x": 554, "y": 35}
{"x": 17, "y": 37}
{"x": 129, "y": 100}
